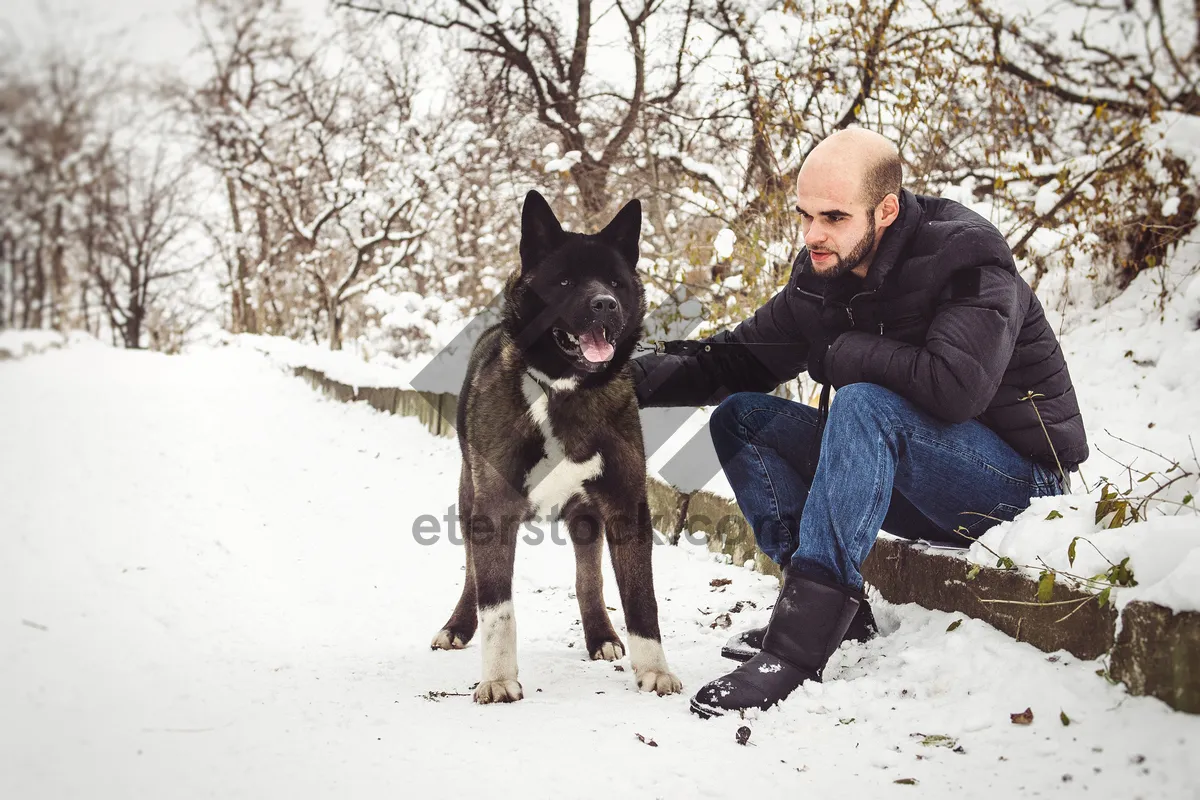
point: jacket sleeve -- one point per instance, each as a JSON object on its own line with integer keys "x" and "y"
{"x": 968, "y": 347}
{"x": 735, "y": 363}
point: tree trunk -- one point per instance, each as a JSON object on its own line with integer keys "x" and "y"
{"x": 240, "y": 305}
{"x": 592, "y": 179}
{"x": 133, "y": 330}
{"x": 335, "y": 325}
{"x": 38, "y": 298}
{"x": 136, "y": 310}
{"x": 58, "y": 273}
{"x": 7, "y": 274}
{"x": 85, "y": 310}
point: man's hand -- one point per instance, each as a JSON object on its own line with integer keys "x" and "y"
{"x": 816, "y": 360}
{"x": 638, "y": 372}
{"x": 834, "y": 322}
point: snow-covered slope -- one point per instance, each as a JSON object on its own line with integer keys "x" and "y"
{"x": 209, "y": 586}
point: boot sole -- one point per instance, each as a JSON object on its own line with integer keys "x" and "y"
{"x": 735, "y": 654}
{"x": 703, "y": 711}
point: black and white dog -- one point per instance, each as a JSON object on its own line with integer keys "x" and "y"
{"x": 548, "y": 423}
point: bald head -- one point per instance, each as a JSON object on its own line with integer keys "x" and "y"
{"x": 859, "y": 157}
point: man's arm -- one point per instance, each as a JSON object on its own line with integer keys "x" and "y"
{"x": 956, "y": 373}
{"x": 734, "y": 363}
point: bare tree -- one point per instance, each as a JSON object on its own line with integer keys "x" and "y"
{"x": 1108, "y": 82}
{"x": 54, "y": 140}
{"x": 142, "y": 243}
{"x": 249, "y": 45}
{"x": 544, "y": 65}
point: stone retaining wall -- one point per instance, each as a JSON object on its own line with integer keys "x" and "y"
{"x": 1156, "y": 652}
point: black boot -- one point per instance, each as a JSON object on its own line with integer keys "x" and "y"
{"x": 807, "y": 625}
{"x": 745, "y": 645}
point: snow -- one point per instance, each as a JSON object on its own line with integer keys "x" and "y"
{"x": 1047, "y": 197}
{"x": 1163, "y": 551}
{"x": 339, "y": 365}
{"x": 566, "y": 163}
{"x": 21, "y": 343}
{"x": 723, "y": 243}
{"x": 210, "y": 587}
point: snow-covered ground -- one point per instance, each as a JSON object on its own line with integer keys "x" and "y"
{"x": 21, "y": 343}
{"x": 209, "y": 586}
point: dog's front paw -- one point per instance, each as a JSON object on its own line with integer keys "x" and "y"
{"x": 498, "y": 692}
{"x": 609, "y": 651}
{"x": 661, "y": 682}
{"x": 650, "y": 668}
{"x": 447, "y": 639}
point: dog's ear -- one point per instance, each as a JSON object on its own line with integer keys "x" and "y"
{"x": 624, "y": 230}
{"x": 540, "y": 232}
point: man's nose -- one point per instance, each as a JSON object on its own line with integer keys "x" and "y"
{"x": 814, "y": 235}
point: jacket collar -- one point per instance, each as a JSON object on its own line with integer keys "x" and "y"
{"x": 895, "y": 240}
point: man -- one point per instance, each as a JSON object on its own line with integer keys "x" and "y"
{"x": 953, "y": 409}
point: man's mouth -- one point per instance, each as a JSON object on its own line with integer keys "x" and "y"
{"x": 595, "y": 346}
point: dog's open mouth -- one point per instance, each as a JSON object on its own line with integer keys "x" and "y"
{"x": 594, "y": 346}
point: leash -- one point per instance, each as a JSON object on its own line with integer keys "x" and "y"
{"x": 814, "y": 450}
{"x": 689, "y": 348}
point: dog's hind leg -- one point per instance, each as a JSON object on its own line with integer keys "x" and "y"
{"x": 631, "y": 545}
{"x": 493, "y": 551}
{"x": 601, "y": 638}
{"x": 459, "y": 629}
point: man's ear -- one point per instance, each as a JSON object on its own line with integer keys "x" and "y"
{"x": 540, "y": 232}
{"x": 887, "y": 211}
{"x": 624, "y": 231}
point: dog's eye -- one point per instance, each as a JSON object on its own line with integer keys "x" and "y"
{"x": 566, "y": 282}
{"x": 615, "y": 284}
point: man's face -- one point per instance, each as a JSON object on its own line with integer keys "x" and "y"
{"x": 839, "y": 228}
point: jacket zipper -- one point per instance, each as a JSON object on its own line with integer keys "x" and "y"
{"x": 849, "y": 305}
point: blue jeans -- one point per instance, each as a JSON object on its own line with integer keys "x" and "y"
{"x": 884, "y": 464}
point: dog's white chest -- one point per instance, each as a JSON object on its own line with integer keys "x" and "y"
{"x": 555, "y": 479}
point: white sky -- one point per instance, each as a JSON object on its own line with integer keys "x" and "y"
{"x": 144, "y": 31}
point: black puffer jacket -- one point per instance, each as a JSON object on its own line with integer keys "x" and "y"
{"x": 942, "y": 319}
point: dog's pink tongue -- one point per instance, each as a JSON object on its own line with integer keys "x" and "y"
{"x": 596, "y": 348}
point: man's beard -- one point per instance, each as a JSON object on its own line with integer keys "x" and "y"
{"x": 858, "y": 254}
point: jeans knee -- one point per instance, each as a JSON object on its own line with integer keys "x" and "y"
{"x": 863, "y": 401}
{"x": 725, "y": 424}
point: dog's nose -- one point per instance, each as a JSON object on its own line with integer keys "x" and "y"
{"x": 604, "y": 302}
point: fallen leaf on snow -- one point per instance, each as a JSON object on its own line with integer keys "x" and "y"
{"x": 1022, "y": 718}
